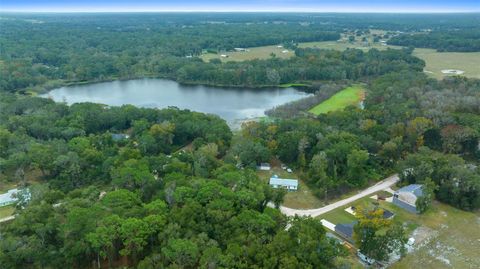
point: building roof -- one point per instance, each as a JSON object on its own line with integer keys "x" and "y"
{"x": 416, "y": 189}
{"x": 265, "y": 164}
{"x": 346, "y": 229}
{"x": 387, "y": 214}
{"x": 283, "y": 182}
{"x": 9, "y": 197}
{"x": 118, "y": 137}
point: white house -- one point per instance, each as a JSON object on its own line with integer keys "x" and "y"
{"x": 9, "y": 198}
{"x": 264, "y": 167}
{"x": 288, "y": 184}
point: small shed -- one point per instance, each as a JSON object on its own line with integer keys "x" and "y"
{"x": 120, "y": 137}
{"x": 346, "y": 230}
{"x": 407, "y": 196}
{"x": 288, "y": 184}
{"x": 264, "y": 167}
{"x": 387, "y": 214}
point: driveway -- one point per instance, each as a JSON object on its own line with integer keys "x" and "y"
{"x": 386, "y": 183}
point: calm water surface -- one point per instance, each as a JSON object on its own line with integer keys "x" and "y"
{"x": 231, "y": 104}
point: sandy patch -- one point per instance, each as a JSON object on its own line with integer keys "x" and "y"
{"x": 452, "y": 71}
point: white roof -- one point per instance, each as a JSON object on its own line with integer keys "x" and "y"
{"x": 283, "y": 182}
{"x": 9, "y": 196}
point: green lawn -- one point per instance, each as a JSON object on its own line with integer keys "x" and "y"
{"x": 346, "y": 97}
{"x": 6, "y": 211}
{"x": 252, "y": 53}
{"x": 438, "y": 61}
{"x": 339, "y": 45}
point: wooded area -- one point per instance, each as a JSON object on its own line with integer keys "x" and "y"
{"x": 171, "y": 188}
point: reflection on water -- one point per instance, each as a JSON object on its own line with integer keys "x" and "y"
{"x": 229, "y": 103}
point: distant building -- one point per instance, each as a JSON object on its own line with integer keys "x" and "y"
{"x": 12, "y": 196}
{"x": 119, "y": 137}
{"x": 264, "y": 167}
{"x": 288, "y": 184}
{"x": 407, "y": 196}
{"x": 345, "y": 230}
{"x": 240, "y": 49}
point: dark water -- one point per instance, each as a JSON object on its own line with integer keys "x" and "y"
{"x": 231, "y": 104}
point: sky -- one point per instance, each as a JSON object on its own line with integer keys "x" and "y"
{"x": 242, "y": 5}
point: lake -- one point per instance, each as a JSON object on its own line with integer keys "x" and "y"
{"x": 232, "y": 104}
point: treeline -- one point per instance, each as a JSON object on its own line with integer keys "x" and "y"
{"x": 58, "y": 48}
{"x": 404, "y": 112}
{"x": 456, "y": 41}
{"x": 309, "y": 65}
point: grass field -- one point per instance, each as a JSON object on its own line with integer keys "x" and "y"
{"x": 437, "y": 61}
{"x": 346, "y": 97}
{"x": 454, "y": 235}
{"x": 336, "y": 45}
{"x": 6, "y": 211}
{"x": 253, "y": 53}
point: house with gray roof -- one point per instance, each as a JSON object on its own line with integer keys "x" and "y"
{"x": 407, "y": 196}
{"x": 288, "y": 184}
{"x": 345, "y": 230}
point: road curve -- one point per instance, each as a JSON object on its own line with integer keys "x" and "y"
{"x": 389, "y": 181}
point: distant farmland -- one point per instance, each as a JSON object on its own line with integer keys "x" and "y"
{"x": 435, "y": 61}
{"x": 352, "y": 95}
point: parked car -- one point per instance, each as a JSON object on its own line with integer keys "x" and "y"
{"x": 289, "y": 170}
{"x": 364, "y": 258}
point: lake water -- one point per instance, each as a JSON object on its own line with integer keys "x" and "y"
{"x": 232, "y": 104}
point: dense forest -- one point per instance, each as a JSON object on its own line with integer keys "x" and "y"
{"x": 169, "y": 188}
{"x": 42, "y": 51}
{"x": 140, "y": 199}
{"x": 458, "y": 41}
{"x": 405, "y": 113}
{"x": 143, "y": 200}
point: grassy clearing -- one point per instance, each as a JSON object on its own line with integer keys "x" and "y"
{"x": 252, "y": 53}
{"x": 303, "y": 198}
{"x": 6, "y": 211}
{"x": 457, "y": 244}
{"x": 289, "y": 85}
{"x": 5, "y": 186}
{"x": 343, "y": 45}
{"x": 456, "y": 241}
{"x": 346, "y": 97}
{"x": 438, "y": 61}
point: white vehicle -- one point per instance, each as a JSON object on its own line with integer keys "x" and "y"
{"x": 364, "y": 258}
{"x": 289, "y": 170}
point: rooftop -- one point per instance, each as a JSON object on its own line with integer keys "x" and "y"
{"x": 275, "y": 180}
{"x": 346, "y": 229}
{"x": 416, "y": 189}
{"x": 9, "y": 196}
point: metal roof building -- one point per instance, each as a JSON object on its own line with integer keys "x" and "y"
{"x": 9, "y": 197}
{"x": 289, "y": 184}
{"x": 406, "y": 197}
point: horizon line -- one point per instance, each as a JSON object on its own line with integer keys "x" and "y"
{"x": 385, "y": 11}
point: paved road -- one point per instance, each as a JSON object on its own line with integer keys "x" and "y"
{"x": 7, "y": 219}
{"x": 386, "y": 183}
